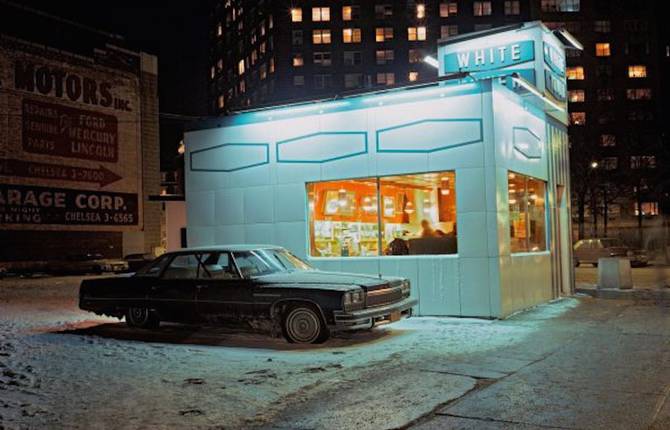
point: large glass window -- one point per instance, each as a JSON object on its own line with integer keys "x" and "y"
{"x": 527, "y": 214}
{"x": 394, "y": 215}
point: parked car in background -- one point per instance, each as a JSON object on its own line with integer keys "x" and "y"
{"x": 588, "y": 251}
{"x": 81, "y": 264}
{"x": 137, "y": 261}
{"x": 265, "y": 287}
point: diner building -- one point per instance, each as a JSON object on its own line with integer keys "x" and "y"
{"x": 461, "y": 185}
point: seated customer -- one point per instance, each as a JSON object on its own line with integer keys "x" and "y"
{"x": 427, "y": 229}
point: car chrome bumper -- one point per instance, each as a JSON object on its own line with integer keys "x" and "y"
{"x": 366, "y": 318}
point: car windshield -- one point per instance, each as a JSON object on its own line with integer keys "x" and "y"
{"x": 266, "y": 261}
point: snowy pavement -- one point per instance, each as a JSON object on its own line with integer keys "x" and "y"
{"x": 63, "y": 368}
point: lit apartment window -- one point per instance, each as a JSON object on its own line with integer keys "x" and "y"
{"x": 221, "y": 102}
{"x": 243, "y": 87}
{"x": 219, "y": 30}
{"x": 482, "y": 8}
{"x": 351, "y": 35}
{"x": 420, "y": 10}
{"x": 413, "y": 76}
{"x": 577, "y": 118}
{"x": 527, "y": 213}
{"x": 385, "y": 78}
{"x": 322, "y": 58}
{"x": 575, "y": 73}
{"x": 263, "y": 71}
{"x": 321, "y": 37}
{"x": 353, "y": 80}
{"x": 384, "y": 56}
{"x": 320, "y": 14}
{"x": 352, "y": 58}
{"x": 383, "y": 11}
{"x": 513, "y": 7}
{"x": 448, "y": 8}
{"x": 219, "y": 64}
{"x": 605, "y": 94}
{"x": 298, "y": 61}
{"x": 299, "y": 80}
{"x": 607, "y": 140}
{"x": 383, "y": 34}
{"x": 648, "y": 209}
{"x": 296, "y": 14}
{"x": 560, "y": 5}
{"x": 638, "y": 93}
{"x": 350, "y": 13}
{"x": 603, "y": 49}
{"x": 416, "y": 55}
{"x": 212, "y": 72}
{"x": 576, "y": 96}
{"x": 240, "y": 67}
{"x": 448, "y": 31}
{"x": 602, "y": 26}
{"x": 416, "y": 33}
{"x": 637, "y": 71}
{"x": 323, "y": 81}
{"x": 643, "y": 162}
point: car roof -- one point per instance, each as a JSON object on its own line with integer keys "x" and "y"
{"x": 224, "y": 248}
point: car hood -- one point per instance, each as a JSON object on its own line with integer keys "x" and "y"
{"x": 328, "y": 280}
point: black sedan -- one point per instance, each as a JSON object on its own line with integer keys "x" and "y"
{"x": 263, "y": 286}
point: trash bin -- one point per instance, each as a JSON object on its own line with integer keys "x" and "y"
{"x": 614, "y": 272}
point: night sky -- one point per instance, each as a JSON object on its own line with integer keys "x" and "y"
{"x": 176, "y": 31}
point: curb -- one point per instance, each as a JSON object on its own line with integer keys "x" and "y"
{"x": 630, "y": 294}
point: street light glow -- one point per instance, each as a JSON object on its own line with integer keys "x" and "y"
{"x": 594, "y": 164}
{"x": 431, "y": 61}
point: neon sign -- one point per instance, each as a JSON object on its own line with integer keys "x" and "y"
{"x": 495, "y": 57}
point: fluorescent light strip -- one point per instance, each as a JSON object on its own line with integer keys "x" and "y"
{"x": 431, "y": 61}
{"x": 302, "y": 109}
{"x": 526, "y": 85}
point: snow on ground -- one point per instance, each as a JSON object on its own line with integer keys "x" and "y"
{"x": 64, "y": 368}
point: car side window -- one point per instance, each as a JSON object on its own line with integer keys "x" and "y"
{"x": 218, "y": 266}
{"x": 251, "y": 265}
{"x": 182, "y": 267}
{"x": 154, "y": 269}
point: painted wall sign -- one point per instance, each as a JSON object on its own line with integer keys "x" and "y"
{"x": 73, "y": 129}
{"x": 59, "y": 206}
{"x": 67, "y": 132}
{"x": 490, "y": 58}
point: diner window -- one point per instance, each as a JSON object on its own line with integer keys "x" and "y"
{"x": 416, "y": 33}
{"x": 384, "y": 56}
{"x": 448, "y": 8}
{"x": 603, "y": 49}
{"x": 321, "y": 37}
{"x": 576, "y": 96}
{"x": 637, "y": 71}
{"x": 296, "y": 14}
{"x": 527, "y": 213}
{"x": 482, "y": 8}
{"x": 577, "y": 118}
{"x": 351, "y": 35}
{"x": 575, "y": 73}
{"x": 320, "y": 14}
{"x": 350, "y": 13}
{"x": 383, "y": 34}
{"x": 394, "y": 215}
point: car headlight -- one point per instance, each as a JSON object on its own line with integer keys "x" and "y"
{"x": 353, "y": 298}
{"x": 405, "y": 287}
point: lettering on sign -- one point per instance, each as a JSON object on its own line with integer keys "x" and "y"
{"x": 57, "y": 206}
{"x": 67, "y": 132}
{"x": 490, "y": 58}
{"x": 554, "y": 59}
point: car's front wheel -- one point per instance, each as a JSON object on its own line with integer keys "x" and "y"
{"x": 303, "y": 324}
{"x": 142, "y": 318}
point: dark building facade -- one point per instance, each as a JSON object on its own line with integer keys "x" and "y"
{"x": 266, "y": 52}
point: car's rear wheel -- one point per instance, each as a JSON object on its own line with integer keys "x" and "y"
{"x": 142, "y": 318}
{"x": 302, "y": 323}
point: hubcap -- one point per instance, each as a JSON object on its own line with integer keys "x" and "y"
{"x": 138, "y": 315}
{"x": 303, "y": 325}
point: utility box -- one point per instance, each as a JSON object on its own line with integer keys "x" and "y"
{"x": 614, "y": 273}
